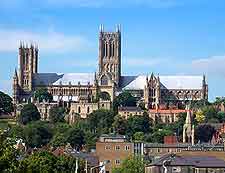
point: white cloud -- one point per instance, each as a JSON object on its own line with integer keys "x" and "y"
{"x": 49, "y": 41}
{"x": 214, "y": 65}
{"x": 142, "y": 62}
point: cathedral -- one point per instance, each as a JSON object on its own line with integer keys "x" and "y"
{"x": 85, "y": 92}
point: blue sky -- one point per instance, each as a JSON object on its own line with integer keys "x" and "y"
{"x": 169, "y": 37}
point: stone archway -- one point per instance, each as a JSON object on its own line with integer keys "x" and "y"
{"x": 104, "y": 96}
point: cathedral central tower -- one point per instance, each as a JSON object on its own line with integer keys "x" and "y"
{"x": 110, "y": 53}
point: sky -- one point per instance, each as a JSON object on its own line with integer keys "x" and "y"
{"x": 166, "y": 37}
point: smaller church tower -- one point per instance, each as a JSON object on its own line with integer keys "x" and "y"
{"x": 204, "y": 89}
{"x": 152, "y": 92}
{"x": 15, "y": 88}
{"x": 188, "y": 129}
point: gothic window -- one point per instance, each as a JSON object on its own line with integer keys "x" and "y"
{"x": 105, "y": 49}
{"x": 79, "y": 109}
{"x": 104, "y": 80}
{"x": 88, "y": 109}
{"x": 112, "y": 49}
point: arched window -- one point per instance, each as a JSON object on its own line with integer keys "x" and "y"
{"x": 88, "y": 109}
{"x": 104, "y": 96}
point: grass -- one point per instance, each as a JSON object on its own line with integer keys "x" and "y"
{"x": 5, "y": 122}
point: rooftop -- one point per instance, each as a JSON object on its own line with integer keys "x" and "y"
{"x": 190, "y": 160}
{"x": 130, "y": 109}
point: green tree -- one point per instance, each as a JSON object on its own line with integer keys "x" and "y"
{"x": 8, "y": 154}
{"x": 6, "y": 105}
{"x": 221, "y": 116}
{"x": 139, "y": 124}
{"x": 75, "y": 137}
{"x": 100, "y": 121}
{"x": 28, "y": 113}
{"x": 209, "y": 113}
{"x": 58, "y": 140}
{"x": 131, "y": 165}
{"x": 37, "y": 134}
{"x": 120, "y": 125}
{"x": 38, "y": 162}
{"x": 45, "y": 162}
{"x": 56, "y": 114}
{"x": 43, "y": 94}
{"x": 204, "y": 133}
{"x": 158, "y": 136}
{"x": 124, "y": 99}
{"x": 139, "y": 136}
{"x": 16, "y": 131}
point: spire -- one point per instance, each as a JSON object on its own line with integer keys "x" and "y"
{"x": 20, "y": 44}
{"x": 31, "y": 45}
{"x": 152, "y": 75}
{"x": 188, "y": 117}
{"x": 101, "y": 28}
{"x": 118, "y": 28}
{"x": 204, "y": 80}
{"x": 15, "y": 74}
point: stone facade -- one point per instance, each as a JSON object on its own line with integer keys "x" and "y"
{"x": 166, "y": 116}
{"x": 69, "y": 88}
{"x": 155, "y": 94}
{"x": 127, "y": 112}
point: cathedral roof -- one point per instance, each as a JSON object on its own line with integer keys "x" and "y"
{"x": 169, "y": 82}
{"x": 64, "y": 79}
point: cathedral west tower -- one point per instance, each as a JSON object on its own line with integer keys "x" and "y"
{"x": 110, "y": 53}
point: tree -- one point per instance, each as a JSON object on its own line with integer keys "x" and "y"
{"x": 38, "y": 162}
{"x": 6, "y": 105}
{"x": 44, "y": 162}
{"x": 209, "y": 112}
{"x": 139, "y": 124}
{"x": 204, "y": 133}
{"x": 28, "y": 113}
{"x": 221, "y": 116}
{"x": 120, "y": 125}
{"x": 8, "y": 154}
{"x": 58, "y": 140}
{"x": 124, "y": 99}
{"x": 200, "y": 117}
{"x": 75, "y": 137}
{"x": 100, "y": 121}
{"x": 139, "y": 136}
{"x": 131, "y": 165}
{"x": 43, "y": 94}
{"x": 158, "y": 136}
{"x": 56, "y": 114}
{"x": 37, "y": 134}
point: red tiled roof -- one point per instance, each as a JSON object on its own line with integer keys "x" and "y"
{"x": 167, "y": 111}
